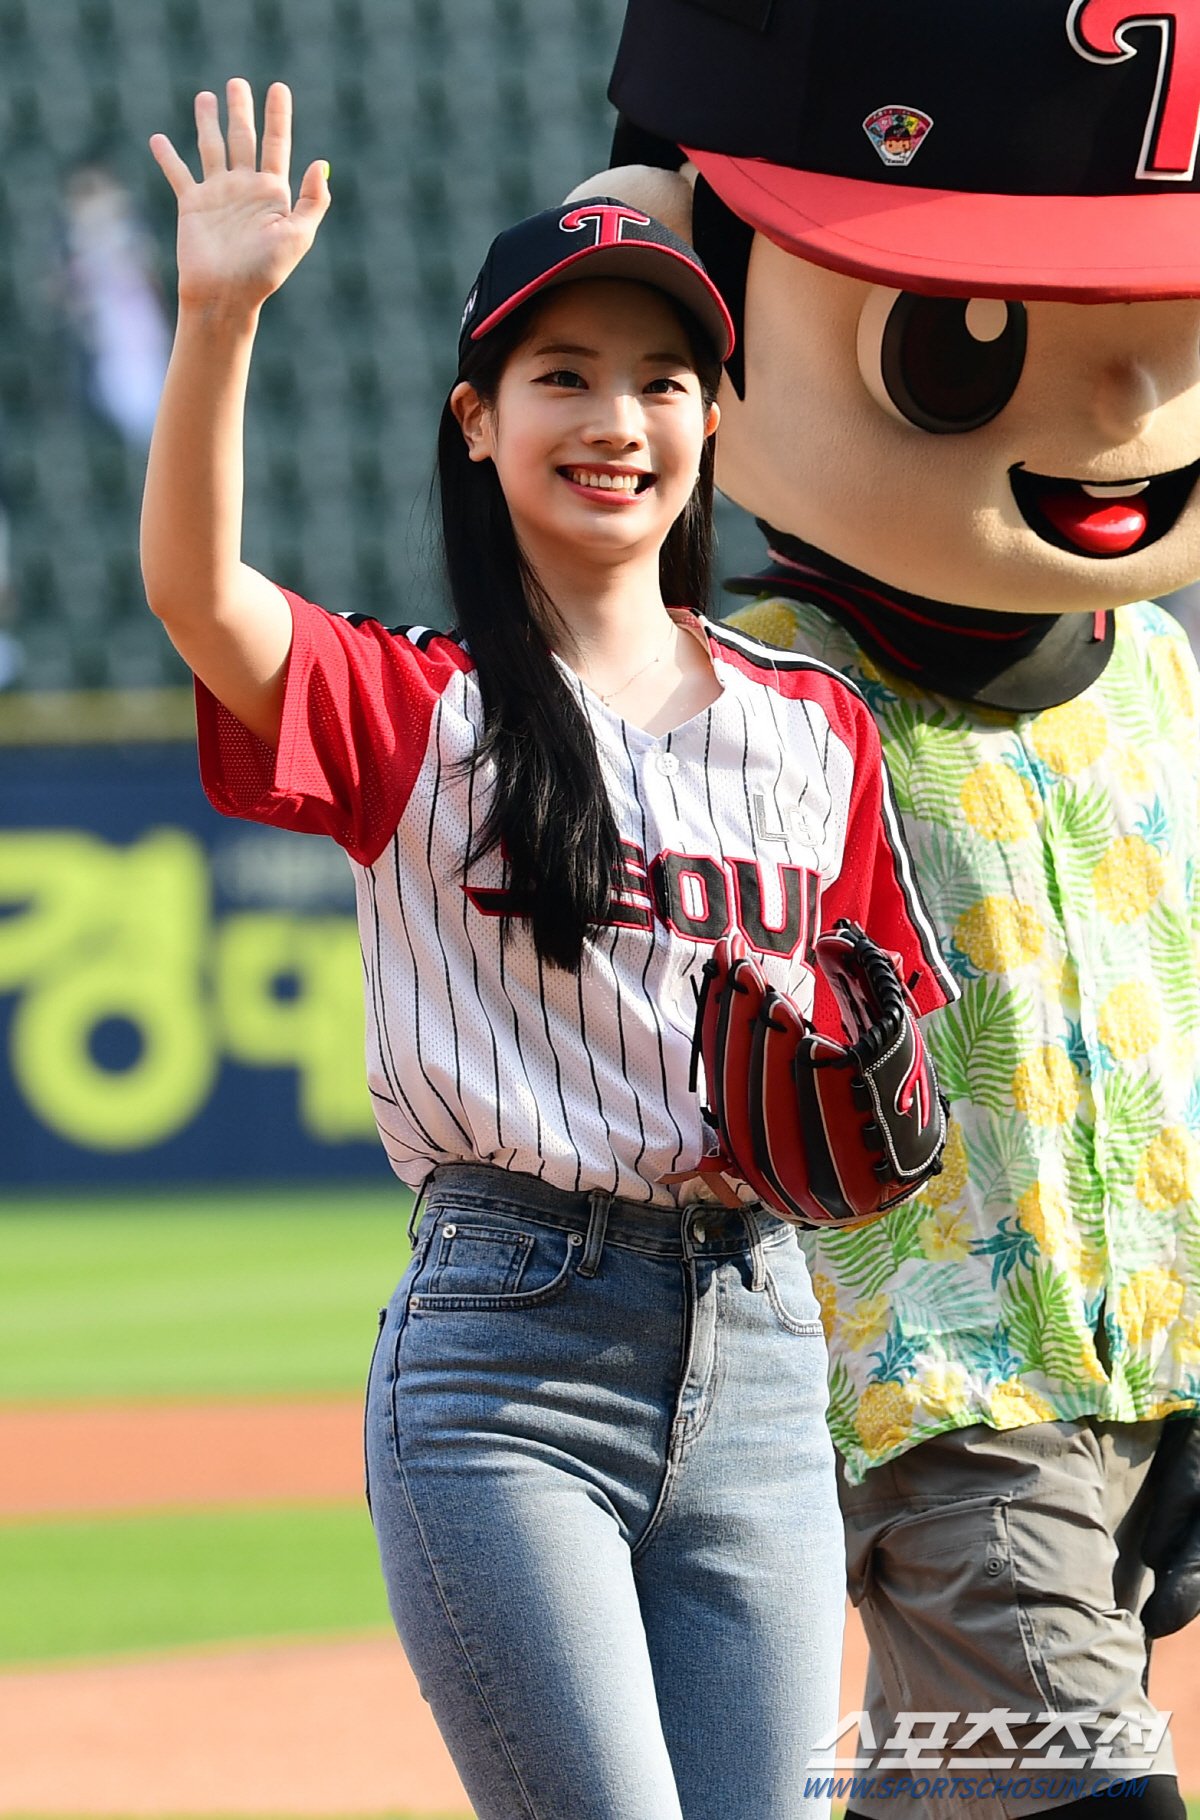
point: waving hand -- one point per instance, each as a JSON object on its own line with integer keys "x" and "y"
{"x": 240, "y": 235}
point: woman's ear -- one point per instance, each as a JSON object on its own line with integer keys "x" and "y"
{"x": 474, "y": 420}
{"x": 712, "y": 418}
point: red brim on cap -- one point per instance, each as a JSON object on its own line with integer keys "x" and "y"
{"x": 644, "y": 262}
{"x": 957, "y": 243}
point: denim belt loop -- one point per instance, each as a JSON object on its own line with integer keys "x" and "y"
{"x": 417, "y": 1207}
{"x": 599, "y": 1202}
{"x": 758, "y": 1274}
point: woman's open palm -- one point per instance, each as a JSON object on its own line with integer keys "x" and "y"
{"x": 240, "y": 236}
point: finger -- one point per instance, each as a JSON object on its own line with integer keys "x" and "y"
{"x": 313, "y": 201}
{"x": 171, "y": 164}
{"x": 277, "y": 131}
{"x": 208, "y": 134}
{"x": 243, "y": 139}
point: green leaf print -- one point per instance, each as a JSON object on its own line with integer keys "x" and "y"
{"x": 1007, "y": 1247}
{"x": 1084, "y": 1191}
{"x": 843, "y": 1401}
{"x": 1154, "y": 825}
{"x": 935, "y": 1298}
{"x": 1078, "y": 831}
{"x": 930, "y": 760}
{"x": 863, "y": 1262}
{"x": 999, "y": 1165}
{"x": 1139, "y": 1382}
{"x": 1188, "y": 1237}
{"x": 956, "y": 870}
{"x": 1134, "y": 695}
{"x": 897, "y": 1361}
{"x": 1132, "y": 1114}
{"x": 977, "y": 1043}
{"x": 1041, "y": 1311}
{"x": 1174, "y": 964}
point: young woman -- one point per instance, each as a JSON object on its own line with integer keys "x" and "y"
{"x": 597, "y": 1460}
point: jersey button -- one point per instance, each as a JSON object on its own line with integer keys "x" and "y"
{"x": 667, "y": 763}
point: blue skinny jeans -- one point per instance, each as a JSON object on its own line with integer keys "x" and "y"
{"x": 604, "y": 1497}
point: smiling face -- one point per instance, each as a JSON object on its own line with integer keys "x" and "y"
{"x": 597, "y": 427}
{"x": 1022, "y": 458}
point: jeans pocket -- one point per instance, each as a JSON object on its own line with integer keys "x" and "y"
{"x": 790, "y": 1291}
{"x": 479, "y": 1264}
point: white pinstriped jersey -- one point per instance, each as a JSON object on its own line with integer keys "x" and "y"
{"x": 770, "y": 810}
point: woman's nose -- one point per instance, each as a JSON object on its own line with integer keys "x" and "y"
{"x": 619, "y": 423}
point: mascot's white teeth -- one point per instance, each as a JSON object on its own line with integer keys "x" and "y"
{"x": 1100, "y": 519}
{"x": 1117, "y": 489}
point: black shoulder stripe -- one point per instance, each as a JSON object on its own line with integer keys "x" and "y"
{"x": 421, "y": 636}
{"x": 768, "y": 657}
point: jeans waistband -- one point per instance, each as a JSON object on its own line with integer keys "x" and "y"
{"x": 705, "y": 1228}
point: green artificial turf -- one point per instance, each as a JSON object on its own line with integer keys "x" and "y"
{"x": 254, "y": 1293}
{"x": 98, "y": 1587}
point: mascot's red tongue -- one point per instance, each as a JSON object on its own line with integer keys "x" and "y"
{"x": 1102, "y": 527}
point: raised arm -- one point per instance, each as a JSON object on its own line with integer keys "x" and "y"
{"x": 239, "y": 239}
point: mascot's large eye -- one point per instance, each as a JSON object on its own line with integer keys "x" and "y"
{"x": 945, "y": 364}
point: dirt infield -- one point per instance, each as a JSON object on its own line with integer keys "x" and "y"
{"x": 55, "y": 1462}
{"x": 309, "y": 1728}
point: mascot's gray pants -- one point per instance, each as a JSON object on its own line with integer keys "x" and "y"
{"x": 999, "y": 1576}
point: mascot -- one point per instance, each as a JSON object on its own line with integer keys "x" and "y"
{"x": 961, "y": 242}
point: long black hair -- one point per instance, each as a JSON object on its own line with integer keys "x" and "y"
{"x": 550, "y": 813}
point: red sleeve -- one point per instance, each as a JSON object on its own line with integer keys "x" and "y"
{"x": 877, "y": 886}
{"x": 357, "y": 709}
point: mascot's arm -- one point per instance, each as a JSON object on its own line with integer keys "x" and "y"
{"x": 1171, "y": 1544}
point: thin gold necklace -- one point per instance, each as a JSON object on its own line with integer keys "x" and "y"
{"x": 648, "y": 665}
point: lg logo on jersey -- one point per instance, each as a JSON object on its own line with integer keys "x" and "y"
{"x": 700, "y": 897}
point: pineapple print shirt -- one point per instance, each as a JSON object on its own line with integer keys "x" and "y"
{"x": 1053, "y": 1269}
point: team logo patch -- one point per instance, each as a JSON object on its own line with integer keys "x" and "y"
{"x": 897, "y": 133}
{"x": 468, "y": 306}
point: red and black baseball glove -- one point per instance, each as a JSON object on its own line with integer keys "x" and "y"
{"x": 825, "y": 1133}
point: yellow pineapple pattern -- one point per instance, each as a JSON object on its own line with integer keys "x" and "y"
{"x": 1000, "y": 804}
{"x": 1148, "y": 1302}
{"x": 885, "y": 1417}
{"x": 1169, "y": 1171}
{"x": 1128, "y": 880}
{"x": 947, "y": 1186}
{"x": 1070, "y": 737}
{"x": 1043, "y": 1212}
{"x": 826, "y": 1294}
{"x": 1045, "y": 1086}
{"x": 1057, "y": 850}
{"x": 1130, "y": 1022}
{"x": 998, "y": 934}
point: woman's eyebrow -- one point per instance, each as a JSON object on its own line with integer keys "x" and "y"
{"x": 664, "y": 357}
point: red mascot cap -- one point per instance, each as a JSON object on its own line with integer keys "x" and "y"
{"x": 997, "y": 148}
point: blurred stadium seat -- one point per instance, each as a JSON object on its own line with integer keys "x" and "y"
{"x": 442, "y": 120}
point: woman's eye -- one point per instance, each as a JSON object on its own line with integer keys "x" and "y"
{"x": 561, "y": 376}
{"x": 944, "y": 364}
{"x": 666, "y": 385}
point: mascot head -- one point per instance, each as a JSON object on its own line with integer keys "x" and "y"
{"x": 961, "y": 243}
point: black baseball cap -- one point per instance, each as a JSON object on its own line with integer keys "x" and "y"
{"x": 1008, "y": 148}
{"x": 600, "y": 237}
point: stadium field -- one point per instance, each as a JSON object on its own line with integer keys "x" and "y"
{"x": 146, "y": 1306}
{"x": 264, "y": 1293}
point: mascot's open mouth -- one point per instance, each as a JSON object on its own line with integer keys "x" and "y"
{"x": 1088, "y": 519}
